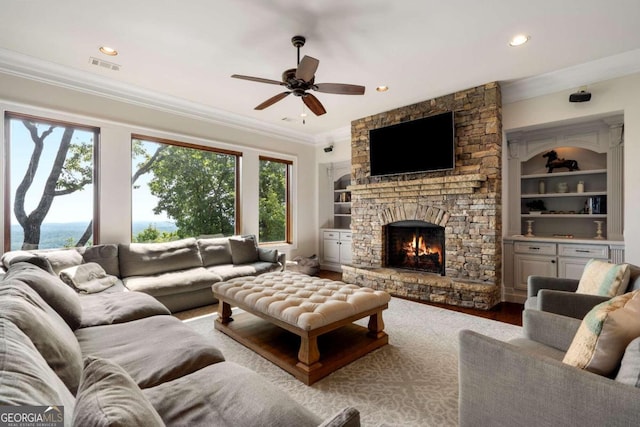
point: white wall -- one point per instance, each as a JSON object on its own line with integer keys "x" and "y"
{"x": 612, "y": 96}
{"x": 118, "y": 120}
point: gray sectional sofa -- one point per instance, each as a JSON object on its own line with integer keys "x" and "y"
{"x": 120, "y": 358}
{"x": 179, "y": 274}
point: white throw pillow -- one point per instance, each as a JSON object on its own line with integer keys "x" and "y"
{"x": 87, "y": 278}
{"x": 604, "y": 278}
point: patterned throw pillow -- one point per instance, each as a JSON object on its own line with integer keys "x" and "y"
{"x": 604, "y": 278}
{"x": 605, "y": 333}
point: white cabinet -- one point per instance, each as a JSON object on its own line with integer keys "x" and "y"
{"x": 336, "y": 249}
{"x": 547, "y": 257}
{"x": 342, "y": 202}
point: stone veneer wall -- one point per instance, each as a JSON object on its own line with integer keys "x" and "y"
{"x": 466, "y": 201}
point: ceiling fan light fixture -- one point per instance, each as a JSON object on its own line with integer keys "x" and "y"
{"x": 519, "y": 40}
{"x": 108, "y": 50}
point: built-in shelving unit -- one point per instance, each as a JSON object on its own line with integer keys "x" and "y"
{"x": 342, "y": 202}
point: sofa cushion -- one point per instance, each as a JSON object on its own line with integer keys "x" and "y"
{"x": 61, "y": 259}
{"x": 629, "y": 372}
{"x": 25, "y": 377}
{"x": 604, "y": 334}
{"x": 172, "y": 282}
{"x": 142, "y": 259}
{"x": 49, "y": 333}
{"x": 109, "y": 308}
{"x": 231, "y": 271}
{"x": 106, "y": 255}
{"x": 218, "y": 395}
{"x": 88, "y": 278}
{"x": 604, "y": 278}
{"x": 244, "y": 249}
{"x": 346, "y": 417}
{"x": 24, "y": 256}
{"x": 170, "y": 350}
{"x": 107, "y": 396}
{"x": 64, "y": 300}
{"x": 268, "y": 255}
{"x": 215, "y": 251}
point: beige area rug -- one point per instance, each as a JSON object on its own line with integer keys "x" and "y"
{"x": 412, "y": 381}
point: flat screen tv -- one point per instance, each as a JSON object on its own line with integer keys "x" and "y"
{"x": 421, "y": 145}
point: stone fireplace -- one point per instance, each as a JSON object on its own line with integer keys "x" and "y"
{"x": 415, "y": 245}
{"x": 461, "y": 208}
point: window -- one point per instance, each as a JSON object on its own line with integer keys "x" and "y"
{"x": 275, "y": 209}
{"x": 182, "y": 190}
{"x": 50, "y": 174}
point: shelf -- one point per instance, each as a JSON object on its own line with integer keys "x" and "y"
{"x": 587, "y": 216}
{"x": 341, "y": 214}
{"x": 341, "y": 190}
{"x": 560, "y": 174}
{"x": 341, "y": 203}
{"x": 551, "y": 195}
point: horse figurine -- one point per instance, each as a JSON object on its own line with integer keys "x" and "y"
{"x": 553, "y": 162}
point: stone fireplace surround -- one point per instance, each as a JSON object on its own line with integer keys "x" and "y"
{"x": 465, "y": 201}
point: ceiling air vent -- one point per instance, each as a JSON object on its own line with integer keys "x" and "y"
{"x": 104, "y": 64}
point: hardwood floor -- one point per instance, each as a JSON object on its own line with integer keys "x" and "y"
{"x": 504, "y": 312}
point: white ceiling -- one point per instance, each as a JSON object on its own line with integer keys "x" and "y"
{"x": 182, "y": 54}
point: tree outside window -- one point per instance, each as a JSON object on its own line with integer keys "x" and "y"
{"x": 181, "y": 190}
{"x": 50, "y": 170}
{"x": 274, "y": 218}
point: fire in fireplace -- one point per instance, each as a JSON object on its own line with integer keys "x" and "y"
{"x": 415, "y": 245}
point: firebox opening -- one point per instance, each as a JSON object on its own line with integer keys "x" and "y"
{"x": 415, "y": 245}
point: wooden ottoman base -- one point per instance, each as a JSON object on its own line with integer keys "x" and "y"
{"x": 307, "y": 355}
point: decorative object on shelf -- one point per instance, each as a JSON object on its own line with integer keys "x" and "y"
{"x": 599, "y": 230}
{"x": 580, "y": 188}
{"x": 536, "y": 205}
{"x": 562, "y": 187}
{"x": 541, "y": 187}
{"x": 553, "y": 162}
{"x": 529, "y": 228}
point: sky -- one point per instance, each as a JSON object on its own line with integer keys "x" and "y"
{"x": 75, "y": 207}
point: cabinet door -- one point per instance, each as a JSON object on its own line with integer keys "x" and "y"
{"x": 533, "y": 265}
{"x": 331, "y": 250}
{"x": 571, "y": 268}
{"x": 345, "y": 252}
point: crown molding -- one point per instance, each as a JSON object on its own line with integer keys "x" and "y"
{"x": 572, "y": 78}
{"x": 31, "y": 68}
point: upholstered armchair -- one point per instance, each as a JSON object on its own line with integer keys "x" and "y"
{"x": 558, "y": 295}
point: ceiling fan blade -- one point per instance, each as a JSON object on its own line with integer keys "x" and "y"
{"x": 272, "y": 101}
{"x": 339, "y": 88}
{"x": 307, "y": 68}
{"x": 314, "y": 104}
{"x": 258, "y": 79}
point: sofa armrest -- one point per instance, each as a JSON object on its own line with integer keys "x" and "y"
{"x": 347, "y": 417}
{"x": 535, "y": 283}
{"x": 568, "y": 303}
{"x": 503, "y": 385}
{"x": 549, "y": 329}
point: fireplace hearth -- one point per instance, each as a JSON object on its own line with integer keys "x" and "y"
{"x": 415, "y": 245}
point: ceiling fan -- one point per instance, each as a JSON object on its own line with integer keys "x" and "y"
{"x": 300, "y": 80}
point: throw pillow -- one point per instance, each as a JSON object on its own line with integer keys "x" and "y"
{"x": 604, "y": 278}
{"x": 604, "y": 334}
{"x": 106, "y": 255}
{"x": 243, "y": 250}
{"x": 36, "y": 260}
{"x": 108, "y": 396}
{"x": 87, "y": 278}
{"x": 629, "y": 372}
{"x": 268, "y": 255}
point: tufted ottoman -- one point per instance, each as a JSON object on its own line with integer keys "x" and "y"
{"x": 320, "y": 312}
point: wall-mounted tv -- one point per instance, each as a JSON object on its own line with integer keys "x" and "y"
{"x": 421, "y": 145}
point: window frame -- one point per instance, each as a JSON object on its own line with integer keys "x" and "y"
{"x": 288, "y": 189}
{"x": 238, "y": 162}
{"x": 8, "y": 116}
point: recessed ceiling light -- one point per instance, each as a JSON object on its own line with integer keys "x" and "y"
{"x": 382, "y": 88}
{"x": 108, "y": 50}
{"x": 519, "y": 40}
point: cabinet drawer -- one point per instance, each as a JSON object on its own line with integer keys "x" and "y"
{"x": 535, "y": 248}
{"x": 331, "y": 235}
{"x": 584, "y": 251}
{"x": 345, "y": 236}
